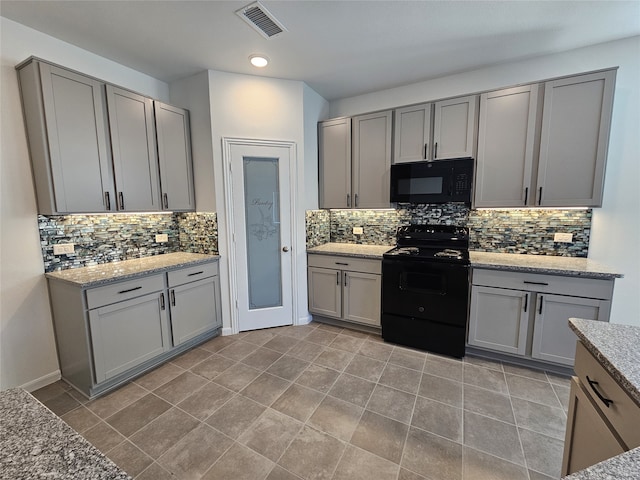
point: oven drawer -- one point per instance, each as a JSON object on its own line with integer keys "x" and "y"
{"x": 623, "y": 412}
{"x": 561, "y": 285}
{"x": 353, "y": 264}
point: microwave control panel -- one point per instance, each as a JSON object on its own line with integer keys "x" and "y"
{"x": 462, "y": 182}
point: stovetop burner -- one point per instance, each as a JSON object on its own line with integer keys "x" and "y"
{"x": 442, "y": 243}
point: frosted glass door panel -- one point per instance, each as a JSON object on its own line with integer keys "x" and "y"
{"x": 262, "y": 217}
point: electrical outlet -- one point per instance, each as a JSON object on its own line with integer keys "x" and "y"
{"x": 563, "y": 237}
{"x": 162, "y": 238}
{"x": 358, "y": 231}
{"x": 63, "y": 248}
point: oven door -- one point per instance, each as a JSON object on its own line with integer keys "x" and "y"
{"x": 426, "y": 290}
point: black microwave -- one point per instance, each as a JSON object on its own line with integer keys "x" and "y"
{"x": 437, "y": 181}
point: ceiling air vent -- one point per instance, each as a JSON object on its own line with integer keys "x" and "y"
{"x": 261, "y": 20}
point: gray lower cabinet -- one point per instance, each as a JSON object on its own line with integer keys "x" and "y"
{"x": 93, "y": 145}
{"x": 108, "y": 334}
{"x": 345, "y": 288}
{"x": 527, "y": 314}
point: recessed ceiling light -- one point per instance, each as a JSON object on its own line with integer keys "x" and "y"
{"x": 258, "y": 61}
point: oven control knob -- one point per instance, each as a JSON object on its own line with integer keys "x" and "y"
{"x": 421, "y": 309}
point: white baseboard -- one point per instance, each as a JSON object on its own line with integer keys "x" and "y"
{"x": 304, "y": 320}
{"x": 42, "y": 381}
{"x": 227, "y": 331}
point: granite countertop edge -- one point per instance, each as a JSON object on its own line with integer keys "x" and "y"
{"x": 545, "y": 270}
{"x": 621, "y": 467}
{"x": 84, "y": 277}
{"x": 351, "y": 250}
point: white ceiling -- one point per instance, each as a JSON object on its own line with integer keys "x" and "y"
{"x": 339, "y": 48}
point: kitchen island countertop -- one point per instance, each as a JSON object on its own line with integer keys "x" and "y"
{"x": 35, "y": 443}
{"x": 104, "y": 273}
{"x": 545, "y": 264}
{"x": 617, "y": 349}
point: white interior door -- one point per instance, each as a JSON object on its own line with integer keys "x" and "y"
{"x": 261, "y": 235}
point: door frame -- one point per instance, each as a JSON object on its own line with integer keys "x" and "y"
{"x": 227, "y": 144}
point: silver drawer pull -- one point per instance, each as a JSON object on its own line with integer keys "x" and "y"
{"x": 130, "y": 290}
{"x": 592, "y": 383}
{"x": 535, "y": 283}
{"x": 195, "y": 273}
{"x": 341, "y": 263}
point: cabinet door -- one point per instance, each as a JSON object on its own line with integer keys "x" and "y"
{"x": 76, "y": 130}
{"x": 126, "y": 334}
{"x": 134, "y": 152}
{"x": 334, "y": 155}
{"x": 412, "y": 132}
{"x": 454, "y": 128}
{"x": 193, "y": 309}
{"x": 174, "y": 155}
{"x": 574, "y": 140}
{"x": 589, "y": 439}
{"x": 499, "y": 319}
{"x": 325, "y": 292}
{"x": 371, "y": 173}
{"x": 362, "y": 294}
{"x": 505, "y": 147}
{"x": 553, "y": 340}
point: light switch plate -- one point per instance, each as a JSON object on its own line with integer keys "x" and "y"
{"x": 563, "y": 237}
{"x": 63, "y": 248}
{"x": 358, "y": 230}
{"x": 162, "y": 238}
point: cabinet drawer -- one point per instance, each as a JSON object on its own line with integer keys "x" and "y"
{"x": 573, "y": 286}
{"x": 117, "y": 292}
{"x": 191, "y": 274}
{"x": 364, "y": 265}
{"x": 623, "y": 413}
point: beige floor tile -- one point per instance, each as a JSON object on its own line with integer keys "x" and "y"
{"x": 212, "y": 366}
{"x": 262, "y": 358}
{"x": 481, "y": 466}
{"x": 525, "y": 372}
{"x": 50, "y": 391}
{"x": 438, "y": 418}
{"x": 288, "y": 367}
{"x": 442, "y": 367}
{"x": 376, "y": 350}
{"x": 279, "y": 473}
{"x": 335, "y": 359}
{"x": 306, "y": 351}
{"x": 392, "y": 403}
{"x": 159, "y": 376}
{"x": 318, "y": 377}
{"x": 486, "y": 378}
{"x": 155, "y": 472}
{"x": 532, "y": 390}
{"x": 130, "y": 458}
{"x": 192, "y": 456}
{"x": 61, "y": 404}
{"x": 156, "y": 438}
{"x": 483, "y": 362}
{"x": 218, "y": 343}
{"x": 407, "y": 358}
{"x": 488, "y": 403}
{"x": 533, "y": 475}
{"x": 312, "y": 455}
{"x": 441, "y": 389}
{"x": 550, "y": 421}
{"x": 281, "y": 343}
{"x": 237, "y": 377}
{"x": 432, "y": 456}
{"x": 352, "y": 389}
{"x": 543, "y": 453}
{"x": 266, "y": 389}
{"x": 492, "y": 436}
{"x": 298, "y": 331}
{"x": 336, "y": 417}
{"x": 238, "y": 350}
{"x": 191, "y": 358}
{"x": 118, "y": 399}
{"x": 357, "y": 464}
{"x": 81, "y": 419}
{"x": 135, "y": 416}
{"x": 365, "y": 367}
{"x": 380, "y": 435}
{"x": 103, "y": 437}
{"x": 271, "y": 434}
{"x": 409, "y": 475}
{"x": 347, "y": 343}
{"x": 235, "y": 416}
{"x": 259, "y": 337}
{"x": 401, "y": 378}
{"x": 240, "y": 463}
{"x": 563, "y": 394}
{"x": 321, "y": 336}
{"x": 298, "y": 402}
{"x": 205, "y": 401}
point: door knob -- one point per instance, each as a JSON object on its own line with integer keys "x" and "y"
{"x": 285, "y": 249}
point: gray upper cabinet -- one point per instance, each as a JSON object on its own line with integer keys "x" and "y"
{"x": 134, "y": 151}
{"x": 371, "y": 173}
{"x": 174, "y": 155}
{"x": 455, "y": 127}
{"x": 574, "y": 140}
{"x": 412, "y": 133}
{"x": 66, "y": 127}
{"x": 334, "y": 151}
{"x": 506, "y": 141}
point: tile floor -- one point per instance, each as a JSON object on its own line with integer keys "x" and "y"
{"x": 320, "y": 402}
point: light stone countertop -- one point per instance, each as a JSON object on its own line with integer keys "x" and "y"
{"x": 351, "y": 250}
{"x": 36, "y": 444}
{"x": 571, "y": 266}
{"x": 104, "y": 273}
{"x": 617, "y": 348}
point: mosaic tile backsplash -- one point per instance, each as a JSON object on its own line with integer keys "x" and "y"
{"x": 528, "y": 231}
{"x": 108, "y": 238}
